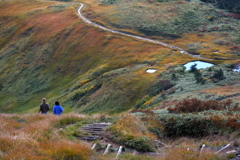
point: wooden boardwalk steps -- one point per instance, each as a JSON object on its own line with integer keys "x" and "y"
{"x": 93, "y": 131}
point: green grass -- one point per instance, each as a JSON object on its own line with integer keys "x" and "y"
{"x": 134, "y": 157}
{"x": 171, "y": 20}
{"x": 185, "y": 84}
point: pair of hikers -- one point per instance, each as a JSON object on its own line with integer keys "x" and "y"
{"x": 44, "y": 108}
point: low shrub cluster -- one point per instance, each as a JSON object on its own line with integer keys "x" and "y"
{"x": 143, "y": 144}
{"x": 130, "y": 132}
{"x": 193, "y": 48}
{"x": 196, "y": 105}
{"x": 107, "y": 2}
{"x": 233, "y": 5}
{"x": 141, "y": 102}
{"x": 148, "y": 112}
{"x": 158, "y": 86}
{"x": 76, "y": 97}
{"x": 197, "y": 74}
{"x": 59, "y": 7}
{"x": 198, "y": 125}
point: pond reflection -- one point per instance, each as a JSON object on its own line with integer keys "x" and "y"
{"x": 237, "y": 69}
{"x": 199, "y": 65}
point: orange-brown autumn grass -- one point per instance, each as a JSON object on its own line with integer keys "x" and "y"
{"x": 226, "y": 90}
{"x": 14, "y": 8}
{"x": 185, "y": 154}
{"x": 223, "y": 90}
{"x": 207, "y": 41}
{"x": 85, "y": 38}
{"x": 64, "y": 37}
{"x": 142, "y": 50}
{"x": 130, "y": 125}
{"x": 186, "y": 148}
{"x": 35, "y": 137}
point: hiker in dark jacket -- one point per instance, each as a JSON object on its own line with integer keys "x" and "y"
{"x": 44, "y": 107}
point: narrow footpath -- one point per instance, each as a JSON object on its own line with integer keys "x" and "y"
{"x": 137, "y": 37}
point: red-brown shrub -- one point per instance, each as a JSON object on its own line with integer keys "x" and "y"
{"x": 235, "y": 47}
{"x": 196, "y": 105}
{"x": 233, "y": 123}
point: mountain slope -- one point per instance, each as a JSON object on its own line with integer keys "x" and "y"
{"x": 46, "y": 48}
{"x": 48, "y": 51}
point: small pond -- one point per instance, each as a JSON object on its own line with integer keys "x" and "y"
{"x": 200, "y": 65}
{"x": 151, "y": 70}
{"x": 237, "y": 69}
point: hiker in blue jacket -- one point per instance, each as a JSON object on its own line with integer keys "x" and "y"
{"x": 57, "y": 109}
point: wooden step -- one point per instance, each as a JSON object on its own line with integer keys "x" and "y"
{"x": 89, "y": 128}
{"x": 94, "y": 129}
{"x": 90, "y": 138}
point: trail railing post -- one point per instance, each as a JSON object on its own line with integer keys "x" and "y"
{"x": 134, "y": 152}
{"x": 106, "y": 150}
{"x": 93, "y": 147}
{"x": 222, "y": 148}
{"x": 119, "y": 151}
{"x": 202, "y": 148}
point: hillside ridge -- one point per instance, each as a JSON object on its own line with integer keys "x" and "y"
{"x": 137, "y": 37}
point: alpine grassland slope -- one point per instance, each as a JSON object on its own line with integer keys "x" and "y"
{"x": 200, "y": 28}
{"x": 48, "y": 51}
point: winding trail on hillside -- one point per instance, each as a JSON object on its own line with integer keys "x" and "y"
{"x": 137, "y": 37}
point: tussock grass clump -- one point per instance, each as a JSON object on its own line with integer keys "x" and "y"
{"x": 58, "y": 7}
{"x": 67, "y": 120}
{"x": 193, "y": 48}
{"x": 36, "y": 138}
{"x": 159, "y": 86}
{"x": 107, "y": 2}
{"x": 131, "y": 132}
{"x": 65, "y": 150}
{"x": 6, "y": 143}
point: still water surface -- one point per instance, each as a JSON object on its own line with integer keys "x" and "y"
{"x": 200, "y": 65}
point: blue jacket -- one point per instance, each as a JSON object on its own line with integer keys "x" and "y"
{"x": 57, "y": 109}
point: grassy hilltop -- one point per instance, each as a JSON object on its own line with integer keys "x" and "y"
{"x": 47, "y": 50}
